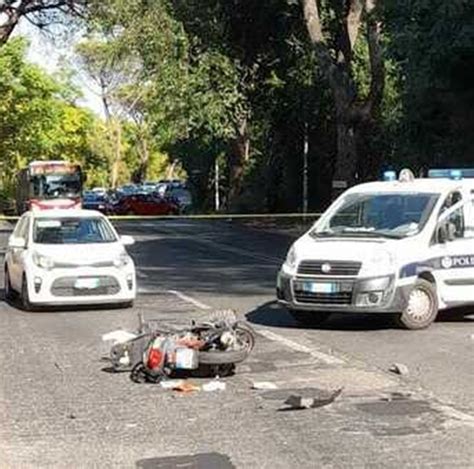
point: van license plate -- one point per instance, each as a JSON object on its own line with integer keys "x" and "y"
{"x": 86, "y": 283}
{"x": 315, "y": 287}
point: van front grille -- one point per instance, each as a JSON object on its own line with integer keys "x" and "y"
{"x": 343, "y": 268}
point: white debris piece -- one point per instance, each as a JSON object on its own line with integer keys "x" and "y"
{"x": 264, "y": 385}
{"x": 118, "y": 337}
{"x": 214, "y": 386}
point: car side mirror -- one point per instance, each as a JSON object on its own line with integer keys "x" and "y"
{"x": 446, "y": 232}
{"x": 127, "y": 240}
{"x": 17, "y": 242}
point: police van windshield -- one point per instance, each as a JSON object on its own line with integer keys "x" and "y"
{"x": 388, "y": 215}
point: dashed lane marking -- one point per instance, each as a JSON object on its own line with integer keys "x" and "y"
{"x": 324, "y": 357}
{"x": 188, "y": 299}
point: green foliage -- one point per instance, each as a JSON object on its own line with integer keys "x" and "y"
{"x": 36, "y": 121}
{"x": 189, "y": 82}
{"x": 432, "y": 43}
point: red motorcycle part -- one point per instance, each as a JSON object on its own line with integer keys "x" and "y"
{"x": 155, "y": 359}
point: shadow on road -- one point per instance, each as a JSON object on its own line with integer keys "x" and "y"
{"x": 274, "y": 315}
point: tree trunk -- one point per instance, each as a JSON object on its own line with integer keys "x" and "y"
{"x": 117, "y": 133}
{"x": 239, "y": 156}
{"x": 6, "y": 31}
{"x": 345, "y": 169}
{"x": 142, "y": 171}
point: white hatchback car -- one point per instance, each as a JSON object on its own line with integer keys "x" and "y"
{"x": 68, "y": 257}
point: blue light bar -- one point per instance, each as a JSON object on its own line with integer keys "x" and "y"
{"x": 389, "y": 176}
{"x": 451, "y": 173}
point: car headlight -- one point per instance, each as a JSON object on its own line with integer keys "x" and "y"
{"x": 43, "y": 262}
{"x": 122, "y": 260}
{"x": 291, "y": 258}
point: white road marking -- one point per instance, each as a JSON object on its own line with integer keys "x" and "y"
{"x": 324, "y": 357}
{"x": 188, "y": 299}
{"x": 149, "y": 290}
{"x": 455, "y": 414}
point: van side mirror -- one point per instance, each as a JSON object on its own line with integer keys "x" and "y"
{"x": 16, "y": 242}
{"x": 446, "y": 232}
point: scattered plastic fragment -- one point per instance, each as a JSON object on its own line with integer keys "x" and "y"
{"x": 296, "y": 402}
{"x": 186, "y": 388}
{"x": 399, "y": 369}
{"x": 171, "y": 383}
{"x": 264, "y": 385}
{"x": 215, "y": 385}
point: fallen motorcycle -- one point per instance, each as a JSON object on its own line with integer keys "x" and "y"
{"x": 212, "y": 348}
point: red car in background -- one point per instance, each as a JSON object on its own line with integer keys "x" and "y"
{"x": 144, "y": 204}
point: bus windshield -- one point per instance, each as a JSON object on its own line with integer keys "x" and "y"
{"x": 51, "y": 186}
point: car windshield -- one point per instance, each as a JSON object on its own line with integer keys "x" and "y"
{"x": 389, "y": 215}
{"x": 72, "y": 231}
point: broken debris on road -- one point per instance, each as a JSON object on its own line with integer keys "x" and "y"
{"x": 299, "y": 402}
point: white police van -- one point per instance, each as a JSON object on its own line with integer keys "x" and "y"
{"x": 401, "y": 246}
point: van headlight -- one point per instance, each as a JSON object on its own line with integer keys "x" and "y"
{"x": 380, "y": 261}
{"x": 290, "y": 261}
{"x": 374, "y": 284}
{"x": 123, "y": 260}
{"x": 44, "y": 262}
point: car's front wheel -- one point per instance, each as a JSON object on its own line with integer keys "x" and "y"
{"x": 309, "y": 318}
{"x": 8, "y": 286}
{"x": 421, "y": 308}
{"x": 25, "y": 295}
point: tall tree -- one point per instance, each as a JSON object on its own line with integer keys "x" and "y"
{"x": 40, "y": 13}
{"x": 112, "y": 70}
{"x": 334, "y": 27}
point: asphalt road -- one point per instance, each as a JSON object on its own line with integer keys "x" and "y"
{"x": 60, "y": 407}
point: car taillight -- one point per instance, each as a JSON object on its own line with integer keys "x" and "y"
{"x": 155, "y": 358}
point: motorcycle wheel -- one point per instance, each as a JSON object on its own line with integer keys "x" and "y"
{"x": 223, "y": 357}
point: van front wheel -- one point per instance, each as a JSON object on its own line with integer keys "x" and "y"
{"x": 421, "y": 308}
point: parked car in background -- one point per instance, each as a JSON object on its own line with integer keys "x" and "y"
{"x": 145, "y": 204}
{"x": 127, "y": 189}
{"x": 148, "y": 187}
{"x": 173, "y": 182}
{"x": 182, "y": 197}
{"x": 161, "y": 188}
{"x": 95, "y": 200}
{"x": 68, "y": 257}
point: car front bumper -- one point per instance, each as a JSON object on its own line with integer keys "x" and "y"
{"x": 393, "y": 298}
{"x": 105, "y": 285}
